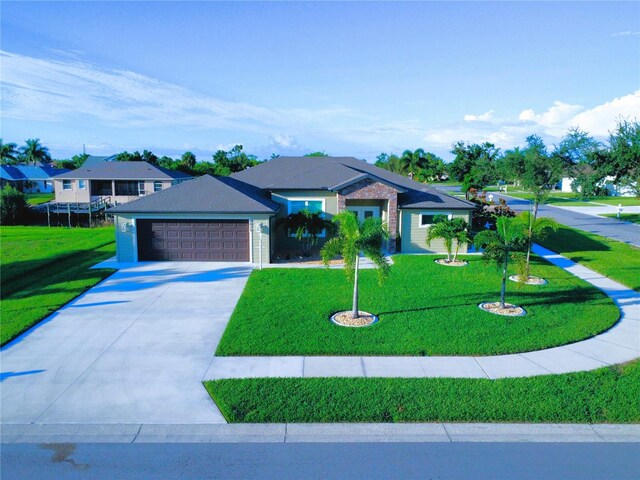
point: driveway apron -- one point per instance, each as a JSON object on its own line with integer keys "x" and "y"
{"x": 133, "y": 349}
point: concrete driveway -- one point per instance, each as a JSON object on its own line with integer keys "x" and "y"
{"x": 133, "y": 349}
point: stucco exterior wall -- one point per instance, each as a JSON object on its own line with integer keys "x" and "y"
{"x": 126, "y": 233}
{"x": 413, "y": 236}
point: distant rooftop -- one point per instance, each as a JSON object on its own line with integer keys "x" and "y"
{"x": 114, "y": 170}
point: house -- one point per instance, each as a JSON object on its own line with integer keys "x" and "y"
{"x": 30, "y": 178}
{"x": 114, "y": 182}
{"x": 565, "y": 184}
{"x": 230, "y": 218}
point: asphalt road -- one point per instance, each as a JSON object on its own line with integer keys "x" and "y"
{"x": 607, "y": 227}
{"x": 398, "y": 461}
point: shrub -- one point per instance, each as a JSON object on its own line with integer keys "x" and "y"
{"x": 13, "y": 206}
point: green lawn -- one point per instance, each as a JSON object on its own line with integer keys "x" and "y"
{"x": 43, "y": 268}
{"x": 607, "y": 395}
{"x": 38, "y": 198}
{"x": 616, "y": 260}
{"x": 573, "y": 200}
{"x": 424, "y": 309}
{"x": 625, "y": 217}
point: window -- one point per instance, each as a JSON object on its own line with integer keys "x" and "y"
{"x": 157, "y": 186}
{"x": 313, "y": 206}
{"x": 66, "y": 184}
{"x": 141, "y": 188}
{"x": 427, "y": 218}
{"x": 82, "y": 184}
{"x": 126, "y": 187}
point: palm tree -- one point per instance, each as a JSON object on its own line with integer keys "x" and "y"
{"x": 354, "y": 239}
{"x": 462, "y": 235}
{"x": 8, "y": 152}
{"x": 534, "y": 229}
{"x": 33, "y": 152}
{"x": 307, "y": 227}
{"x": 501, "y": 245}
{"x": 448, "y": 229}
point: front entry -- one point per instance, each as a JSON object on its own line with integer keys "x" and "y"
{"x": 364, "y": 212}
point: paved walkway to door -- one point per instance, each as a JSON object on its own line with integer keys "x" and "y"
{"x": 620, "y": 343}
{"x": 133, "y": 349}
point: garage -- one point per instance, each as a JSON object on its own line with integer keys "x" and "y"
{"x": 193, "y": 240}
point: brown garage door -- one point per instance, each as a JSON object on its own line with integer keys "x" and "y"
{"x": 203, "y": 240}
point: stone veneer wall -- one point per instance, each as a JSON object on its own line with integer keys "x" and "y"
{"x": 370, "y": 190}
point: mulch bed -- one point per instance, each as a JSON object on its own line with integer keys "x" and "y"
{"x": 530, "y": 281}
{"x": 346, "y": 319}
{"x": 457, "y": 263}
{"x": 509, "y": 309}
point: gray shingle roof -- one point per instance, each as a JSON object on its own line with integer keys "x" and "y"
{"x": 107, "y": 170}
{"x": 329, "y": 173}
{"x": 205, "y": 194}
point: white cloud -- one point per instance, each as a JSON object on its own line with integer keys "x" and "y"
{"x": 627, "y": 33}
{"x": 485, "y": 117}
{"x": 552, "y": 124}
{"x": 601, "y": 119}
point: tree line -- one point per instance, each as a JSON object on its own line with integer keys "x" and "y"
{"x": 578, "y": 155}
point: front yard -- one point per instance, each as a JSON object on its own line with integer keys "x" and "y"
{"x": 43, "y": 268}
{"x": 424, "y": 309}
{"x": 607, "y": 395}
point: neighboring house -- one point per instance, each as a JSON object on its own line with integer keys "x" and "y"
{"x": 228, "y": 218}
{"x": 566, "y": 185}
{"x": 114, "y": 182}
{"x": 30, "y": 178}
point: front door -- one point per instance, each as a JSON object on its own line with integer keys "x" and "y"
{"x": 364, "y": 212}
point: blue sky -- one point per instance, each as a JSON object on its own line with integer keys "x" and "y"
{"x": 290, "y": 78}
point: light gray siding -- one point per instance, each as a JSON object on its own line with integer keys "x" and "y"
{"x": 413, "y": 236}
{"x": 127, "y": 249}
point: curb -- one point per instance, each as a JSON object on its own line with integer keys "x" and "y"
{"x": 319, "y": 433}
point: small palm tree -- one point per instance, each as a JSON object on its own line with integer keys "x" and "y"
{"x": 534, "y": 229}
{"x": 507, "y": 242}
{"x": 307, "y": 227}
{"x": 8, "y": 152}
{"x": 33, "y": 152}
{"x": 354, "y": 239}
{"x": 448, "y": 229}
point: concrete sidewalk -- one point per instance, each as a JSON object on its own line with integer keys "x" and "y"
{"x": 619, "y": 344}
{"x": 318, "y": 433}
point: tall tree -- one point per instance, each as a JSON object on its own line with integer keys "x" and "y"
{"x": 188, "y": 160}
{"x": 581, "y": 155}
{"x": 235, "y": 160}
{"x": 500, "y": 246}
{"x": 33, "y": 152}
{"x": 474, "y": 165}
{"x": 8, "y": 153}
{"x": 317, "y": 154}
{"x": 624, "y": 155}
{"x": 354, "y": 239}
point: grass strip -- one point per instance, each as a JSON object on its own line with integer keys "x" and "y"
{"x": 606, "y": 395}
{"x": 616, "y": 260}
{"x": 625, "y": 217}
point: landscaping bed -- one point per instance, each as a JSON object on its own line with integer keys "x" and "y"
{"x": 606, "y": 395}
{"x": 44, "y": 268}
{"x": 616, "y": 260}
{"x": 424, "y": 309}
